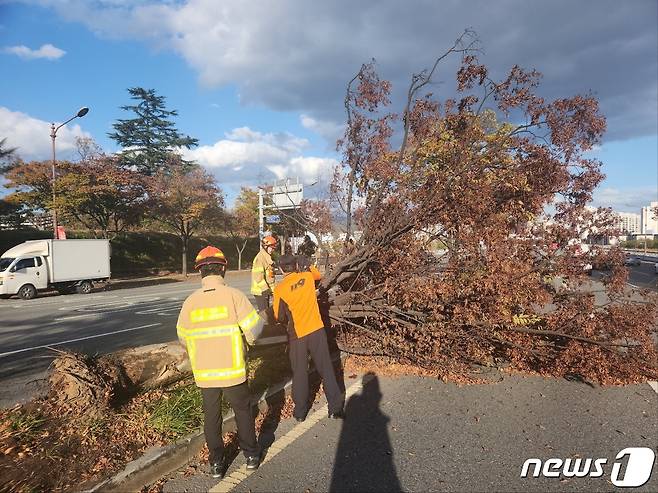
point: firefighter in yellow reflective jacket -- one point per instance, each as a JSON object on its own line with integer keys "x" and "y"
{"x": 262, "y": 273}
{"x": 211, "y": 326}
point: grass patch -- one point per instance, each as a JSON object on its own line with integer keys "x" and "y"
{"x": 23, "y": 425}
{"x": 177, "y": 412}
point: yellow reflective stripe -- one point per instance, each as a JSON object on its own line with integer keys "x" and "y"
{"x": 249, "y": 321}
{"x": 219, "y": 374}
{"x": 180, "y": 330}
{"x": 191, "y": 351}
{"x": 223, "y": 330}
{"x": 207, "y": 314}
{"x": 238, "y": 361}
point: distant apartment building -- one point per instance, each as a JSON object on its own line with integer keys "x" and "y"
{"x": 630, "y": 222}
{"x": 649, "y": 220}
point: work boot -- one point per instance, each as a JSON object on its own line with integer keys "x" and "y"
{"x": 253, "y": 462}
{"x": 337, "y": 415}
{"x": 300, "y": 417}
{"x": 217, "y": 469}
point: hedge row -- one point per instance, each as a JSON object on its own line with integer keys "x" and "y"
{"x": 145, "y": 252}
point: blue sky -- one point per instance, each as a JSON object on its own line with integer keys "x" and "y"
{"x": 263, "y": 93}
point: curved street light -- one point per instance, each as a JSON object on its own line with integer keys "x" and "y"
{"x": 53, "y": 133}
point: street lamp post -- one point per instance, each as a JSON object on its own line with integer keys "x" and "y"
{"x": 53, "y": 133}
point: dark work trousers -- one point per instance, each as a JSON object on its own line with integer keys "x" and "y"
{"x": 239, "y": 398}
{"x": 262, "y": 301}
{"x": 316, "y": 344}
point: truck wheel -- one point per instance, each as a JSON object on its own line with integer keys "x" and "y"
{"x": 27, "y": 292}
{"x": 85, "y": 287}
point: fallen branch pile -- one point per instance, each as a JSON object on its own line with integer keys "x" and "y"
{"x": 473, "y": 230}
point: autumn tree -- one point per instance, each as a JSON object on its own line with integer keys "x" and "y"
{"x": 151, "y": 136}
{"x": 241, "y": 223}
{"x": 365, "y": 133}
{"x": 477, "y": 173}
{"x": 31, "y": 183}
{"x": 184, "y": 200}
{"x": 87, "y": 148}
{"x": 101, "y": 194}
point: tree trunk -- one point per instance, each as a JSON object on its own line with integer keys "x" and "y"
{"x": 244, "y": 244}
{"x": 88, "y": 385}
{"x": 184, "y": 260}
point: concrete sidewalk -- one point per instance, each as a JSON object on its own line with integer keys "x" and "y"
{"x": 418, "y": 434}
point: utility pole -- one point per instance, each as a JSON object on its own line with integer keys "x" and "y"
{"x": 53, "y": 134}
{"x": 261, "y": 215}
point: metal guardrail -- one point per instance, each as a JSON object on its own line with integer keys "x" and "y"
{"x": 638, "y": 252}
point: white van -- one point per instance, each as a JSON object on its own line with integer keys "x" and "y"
{"x": 65, "y": 265}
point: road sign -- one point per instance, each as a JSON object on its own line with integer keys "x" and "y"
{"x": 287, "y": 195}
{"x": 273, "y": 219}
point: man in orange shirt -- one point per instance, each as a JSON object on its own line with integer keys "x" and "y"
{"x": 296, "y": 305}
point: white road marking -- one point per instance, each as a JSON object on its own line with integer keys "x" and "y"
{"x": 238, "y": 476}
{"x": 73, "y": 317}
{"x": 163, "y": 293}
{"x": 94, "y": 305}
{"x": 58, "y": 301}
{"x": 164, "y": 307}
{"x": 2, "y": 355}
{"x": 654, "y": 386}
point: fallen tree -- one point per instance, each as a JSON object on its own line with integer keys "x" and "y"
{"x": 86, "y": 385}
{"x": 470, "y": 222}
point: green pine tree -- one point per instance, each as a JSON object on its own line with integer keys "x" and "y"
{"x": 149, "y": 138}
{"x": 7, "y": 156}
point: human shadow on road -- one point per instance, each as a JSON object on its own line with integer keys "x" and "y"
{"x": 364, "y": 457}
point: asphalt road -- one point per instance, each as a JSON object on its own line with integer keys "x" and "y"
{"x": 644, "y": 275}
{"x": 101, "y": 322}
{"x": 419, "y": 434}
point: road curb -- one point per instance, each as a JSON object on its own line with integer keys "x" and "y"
{"x": 158, "y": 462}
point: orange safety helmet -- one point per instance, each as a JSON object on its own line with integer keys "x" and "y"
{"x": 209, "y": 255}
{"x": 269, "y": 241}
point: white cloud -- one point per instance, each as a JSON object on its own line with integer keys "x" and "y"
{"x": 297, "y": 55}
{"x": 626, "y": 199}
{"x": 31, "y": 136}
{"x": 249, "y": 157}
{"x": 46, "y": 51}
{"x": 326, "y": 128}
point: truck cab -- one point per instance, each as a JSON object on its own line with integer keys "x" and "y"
{"x": 23, "y": 276}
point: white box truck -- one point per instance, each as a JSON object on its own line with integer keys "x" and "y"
{"x": 65, "y": 265}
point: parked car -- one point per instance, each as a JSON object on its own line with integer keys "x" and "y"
{"x": 631, "y": 260}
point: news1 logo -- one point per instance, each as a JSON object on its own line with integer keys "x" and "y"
{"x": 638, "y": 467}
